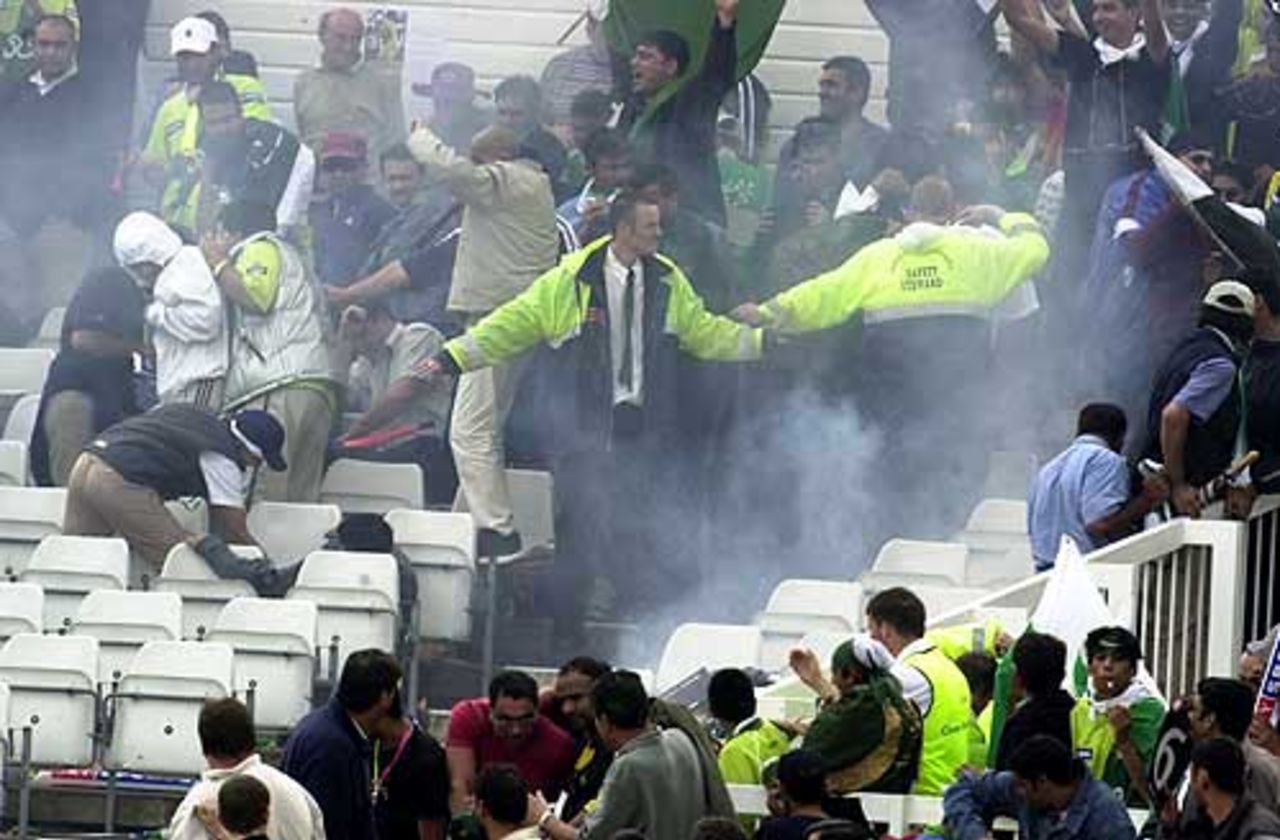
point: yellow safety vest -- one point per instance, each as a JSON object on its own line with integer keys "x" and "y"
{"x": 946, "y": 727}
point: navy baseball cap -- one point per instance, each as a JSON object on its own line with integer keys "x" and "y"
{"x": 262, "y": 435}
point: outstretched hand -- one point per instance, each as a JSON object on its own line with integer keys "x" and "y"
{"x": 749, "y": 314}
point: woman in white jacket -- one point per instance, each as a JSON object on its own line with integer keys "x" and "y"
{"x": 185, "y": 317}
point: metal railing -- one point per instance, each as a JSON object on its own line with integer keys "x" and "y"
{"x": 1262, "y": 575}
{"x": 1180, "y": 586}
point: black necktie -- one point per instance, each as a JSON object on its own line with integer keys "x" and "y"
{"x": 628, "y": 318}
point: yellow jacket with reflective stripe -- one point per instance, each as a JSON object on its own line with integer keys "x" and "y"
{"x": 947, "y": 725}
{"x": 925, "y": 270}
{"x": 555, "y": 307}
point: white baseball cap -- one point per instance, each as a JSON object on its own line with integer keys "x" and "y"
{"x": 1232, "y": 297}
{"x": 192, "y": 35}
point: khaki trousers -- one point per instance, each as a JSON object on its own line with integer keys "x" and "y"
{"x": 307, "y": 417}
{"x": 68, "y": 428}
{"x": 101, "y": 503}
{"x": 480, "y": 410}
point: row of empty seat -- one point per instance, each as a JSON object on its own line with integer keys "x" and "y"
{"x": 146, "y": 722}
{"x": 991, "y": 551}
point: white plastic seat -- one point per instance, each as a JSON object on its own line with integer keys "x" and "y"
{"x": 441, "y": 548}
{"x": 1000, "y": 564}
{"x": 289, "y": 532}
{"x": 21, "y": 421}
{"x": 49, "y": 336}
{"x": 370, "y": 487}
{"x": 51, "y": 682}
{"x": 14, "y": 467}
{"x": 203, "y": 593}
{"x": 192, "y": 514}
{"x": 21, "y": 609}
{"x": 23, "y": 369}
{"x": 358, "y": 597}
{"x": 532, "y": 495}
{"x": 158, "y": 704}
{"x": 71, "y": 567}
{"x": 923, "y": 557}
{"x": 798, "y": 607}
{"x": 711, "y": 646}
{"x": 274, "y": 643}
{"x": 1001, "y": 516}
{"x": 27, "y": 515}
{"x": 123, "y": 622}
{"x": 799, "y": 596}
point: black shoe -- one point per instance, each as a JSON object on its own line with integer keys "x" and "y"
{"x": 490, "y": 543}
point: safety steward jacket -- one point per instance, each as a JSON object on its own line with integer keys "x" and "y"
{"x": 567, "y": 309}
{"x": 945, "y": 750}
{"x": 921, "y": 302}
{"x": 926, "y": 270}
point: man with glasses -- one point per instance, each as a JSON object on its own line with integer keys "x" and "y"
{"x": 505, "y": 728}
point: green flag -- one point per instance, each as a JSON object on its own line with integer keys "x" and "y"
{"x": 629, "y": 20}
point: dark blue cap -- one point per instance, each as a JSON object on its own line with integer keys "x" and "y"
{"x": 262, "y": 435}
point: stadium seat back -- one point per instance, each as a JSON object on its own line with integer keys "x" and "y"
{"x": 370, "y": 487}
{"x": 49, "y": 336}
{"x": 532, "y": 503}
{"x": 21, "y": 609}
{"x": 158, "y": 704}
{"x": 71, "y": 567}
{"x": 357, "y": 596}
{"x": 923, "y": 557}
{"x": 51, "y": 682}
{"x": 289, "y": 532}
{"x": 274, "y": 643}
{"x": 441, "y": 548}
{"x": 21, "y": 421}
{"x": 711, "y": 646}
{"x": 123, "y": 622}
{"x": 14, "y": 467}
{"x": 27, "y": 515}
{"x": 798, "y": 596}
{"x": 203, "y": 593}
{"x": 1002, "y": 516}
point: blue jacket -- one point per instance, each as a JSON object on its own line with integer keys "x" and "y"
{"x": 973, "y": 802}
{"x": 329, "y": 757}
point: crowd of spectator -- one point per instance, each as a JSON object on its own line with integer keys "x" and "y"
{"x": 562, "y": 279}
{"x": 895, "y": 715}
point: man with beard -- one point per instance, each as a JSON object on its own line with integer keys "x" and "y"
{"x": 244, "y": 159}
{"x": 573, "y": 710}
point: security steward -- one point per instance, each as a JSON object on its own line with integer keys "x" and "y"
{"x": 620, "y": 319}
{"x": 119, "y": 485}
{"x": 922, "y": 303}
{"x": 1196, "y": 404}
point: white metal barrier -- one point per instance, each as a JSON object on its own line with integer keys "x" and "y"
{"x": 898, "y": 813}
{"x": 1262, "y": 578}
{"x": 1180, "y": 586}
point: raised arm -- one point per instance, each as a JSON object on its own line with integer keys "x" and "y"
{"x": 1153, "y": 29}
{"x": 1025, "y": 18}
{"x": 468, "y": 181}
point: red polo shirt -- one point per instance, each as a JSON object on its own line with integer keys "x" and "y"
{"x": 545, "y": 759}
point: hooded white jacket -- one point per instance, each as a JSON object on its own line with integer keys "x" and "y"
{"x": 186, "y": 315}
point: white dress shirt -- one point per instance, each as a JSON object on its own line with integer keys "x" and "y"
{"x": 615, "y": 282}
